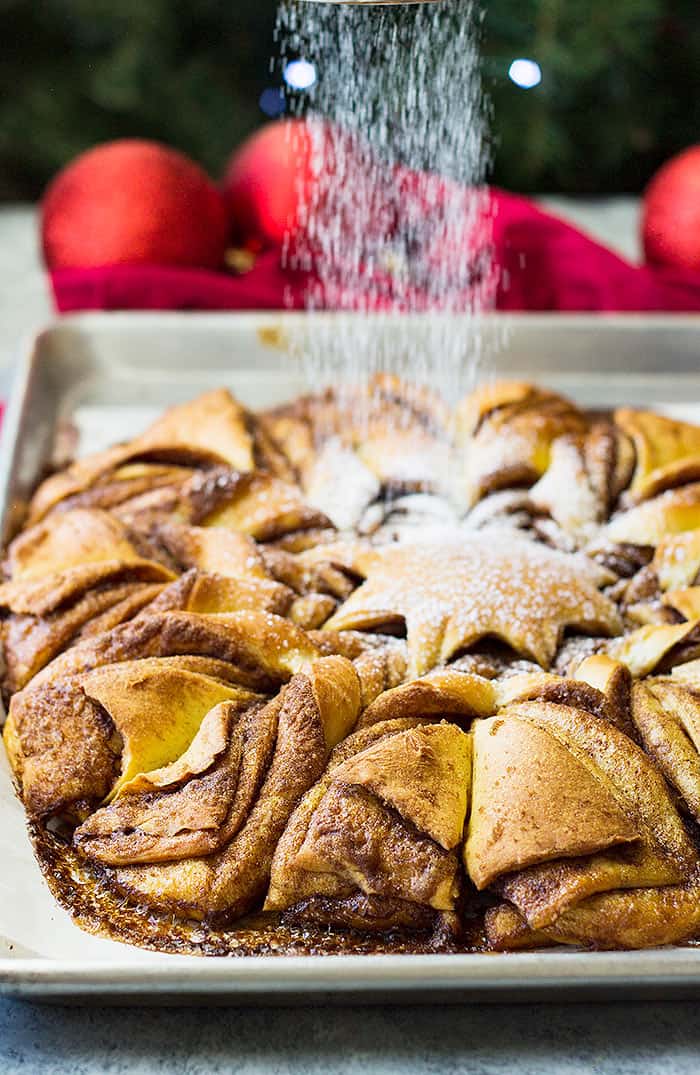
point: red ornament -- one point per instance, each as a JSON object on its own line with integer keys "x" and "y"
{"x": 671, "y": 213}
{"x": 133, "y": 202}
{"x": 267, "y": 181}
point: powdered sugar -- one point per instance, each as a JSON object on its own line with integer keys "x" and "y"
{"x": 396, "y": 217}
{"x": 450, "y": 594}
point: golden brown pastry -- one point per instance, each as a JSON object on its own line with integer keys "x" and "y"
{"x": 210, "y": 430}
{"x": 119, "y": 486}
{"x": 78, "y": 573}
{"x": 376, "y": 842}
{"x": 667, "y": 717}
{"x": 638, "y": 918}
{"x": 261, "y": 506}
{"x": 685, "y": 602}
{"x": 259, "y": 649}
{"x": 279, "y": 664}
{"x": 255, "y": 503}
{"x": 676, "y": 560}
{"x": 387, "y": 433}
{"x": 198, "y": 837}
{"x": 614, "y": 680}
{"x": 667, "y": 451}
{"x": 75, "y": 742}
{"x": 632, "y": 918}
{"x": 31, "y": 641}
{"x": 585, "y": 475}
{"x": 652, "y": 521}
{"x": 454, "y": 695}
{"x": 507, "y": 429}
{"x": 53, "y": 561}
{"x": 647, "y": 648}
{"x": 579, "y": 691}
{"x": 564, "y": 807}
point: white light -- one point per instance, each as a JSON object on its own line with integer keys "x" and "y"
{"x": 300, "y": 74}
{"x": 525, "y": 73}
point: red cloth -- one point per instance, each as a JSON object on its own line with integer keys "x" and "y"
{"x": 547, "y": 264}
{"x": 544, "y": 264}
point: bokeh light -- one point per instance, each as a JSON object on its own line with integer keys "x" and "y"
{"x": 300, "y": 74}
{"x": 525, "y": 73}
{"x": 272, "y": 102}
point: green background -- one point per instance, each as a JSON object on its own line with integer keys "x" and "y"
{"x": 620, "y": 92}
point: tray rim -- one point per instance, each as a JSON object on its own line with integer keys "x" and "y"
{"x": 561, "y": 974}
{"x": 362, "y": 974}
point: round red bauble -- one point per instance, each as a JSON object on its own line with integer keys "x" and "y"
{"x": 133, "y": 202}
{"x": 671, "y": 213}
{"x": 267, "y": 182}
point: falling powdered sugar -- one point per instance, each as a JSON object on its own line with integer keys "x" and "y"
{"x": 394, "y": 218}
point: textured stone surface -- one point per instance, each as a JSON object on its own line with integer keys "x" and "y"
{"x": 623, "y": 1039}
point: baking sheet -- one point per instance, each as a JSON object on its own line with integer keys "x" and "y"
{"x": 107, "y": 376}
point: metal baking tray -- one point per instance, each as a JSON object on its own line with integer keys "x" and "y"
{"x": 107, "y": 375}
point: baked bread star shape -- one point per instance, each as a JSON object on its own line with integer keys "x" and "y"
{"x": 450, "y": 596}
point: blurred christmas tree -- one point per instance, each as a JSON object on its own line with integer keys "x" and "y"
{"x": 77, "y": 72}
{"x": 620, "y": 90}
{"x": 620, "y": 87}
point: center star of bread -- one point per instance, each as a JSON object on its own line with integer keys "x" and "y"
{"x": 451, "y": 595}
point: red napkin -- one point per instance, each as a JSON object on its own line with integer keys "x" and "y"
{"x": 547, "y": 264}
{"x": 543, "y": 262}
{"x": 158, "y": 287}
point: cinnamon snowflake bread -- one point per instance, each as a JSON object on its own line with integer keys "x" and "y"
{"x": 366, "y": 675}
